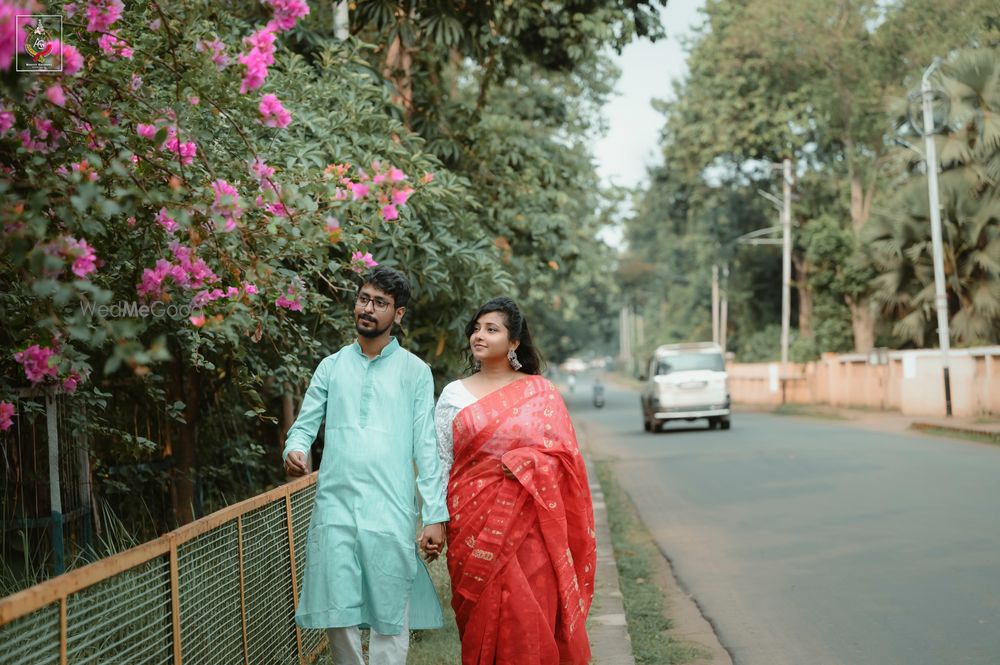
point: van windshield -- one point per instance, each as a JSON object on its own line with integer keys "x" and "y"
{"x": 683, "y": 362}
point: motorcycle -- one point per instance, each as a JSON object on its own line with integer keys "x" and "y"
{"x": 598, "y": 394}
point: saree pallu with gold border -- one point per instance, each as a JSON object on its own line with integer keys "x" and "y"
{"x": 521, "y": 552}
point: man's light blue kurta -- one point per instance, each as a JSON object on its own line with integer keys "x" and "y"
{"x": 362, "y": 563}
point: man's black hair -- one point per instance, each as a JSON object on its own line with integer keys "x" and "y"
{"x": 392, "y": 282}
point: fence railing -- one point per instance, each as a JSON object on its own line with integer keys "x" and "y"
{"x": 222, "y": 589}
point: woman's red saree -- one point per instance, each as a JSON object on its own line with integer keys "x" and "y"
{"x": 521, "y": 553}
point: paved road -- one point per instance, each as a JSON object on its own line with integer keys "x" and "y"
{"x": 810, "y": 542}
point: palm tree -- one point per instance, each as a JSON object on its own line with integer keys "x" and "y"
{"x": 899, "y": 239}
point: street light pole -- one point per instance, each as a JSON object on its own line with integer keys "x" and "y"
{"x": 931, "y": 163}
{"x": 715, "y": 303}
{"x": 786, "y": 257}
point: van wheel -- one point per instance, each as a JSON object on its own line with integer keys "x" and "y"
{"x": 645, "y": 424}
{"x": 725, "y": 423}
{"x": 657, "y": 425}
{"x": 713, "y": 423}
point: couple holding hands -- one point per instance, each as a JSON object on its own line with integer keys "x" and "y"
{"x": 501, "y": 482}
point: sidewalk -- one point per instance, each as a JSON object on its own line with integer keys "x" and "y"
{"x": 607, "y": 628}
{"x": 891, "y": 421}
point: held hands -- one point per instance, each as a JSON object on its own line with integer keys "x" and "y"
{"x": 432, "y": 540}
{"x": 295, "y": 464}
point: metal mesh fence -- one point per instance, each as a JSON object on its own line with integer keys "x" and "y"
{"x": 268, "y": 582}
{"x": 29, "y": 639}
{"x": 121, "y": 609}
{"x": 125, "y": 618}
{"x": 208, "y": 571}
{"x": 302, "y": 503}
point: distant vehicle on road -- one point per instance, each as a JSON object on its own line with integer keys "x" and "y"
{"x": 573, "y": 365}
{"x": 685, "y": 382}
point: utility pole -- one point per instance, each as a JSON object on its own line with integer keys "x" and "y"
{"x": 341, "y": 20}
{"x": 931, "y": 162}
{"x": 715, "y": 304}
{"x": 786, "y": 257}
{"x": 725, "y": 307}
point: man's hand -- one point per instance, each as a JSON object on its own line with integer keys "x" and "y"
{"x": 295, "y": 464}
{"x": 432, "y": 540}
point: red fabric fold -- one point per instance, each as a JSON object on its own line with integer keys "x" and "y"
{"x": 521, "y": 553}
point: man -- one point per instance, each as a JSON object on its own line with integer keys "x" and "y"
{"x": 362, "y": 567}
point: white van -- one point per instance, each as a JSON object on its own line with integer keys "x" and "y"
{"x": 686, "y": 381}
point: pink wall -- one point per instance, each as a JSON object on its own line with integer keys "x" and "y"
{"x": 908, "y": 381}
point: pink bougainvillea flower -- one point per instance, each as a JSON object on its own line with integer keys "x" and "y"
{"x": 194, "y": 100}
{"x": 37, "y": 362}
{"x": 130, "y": 221}
{"x": 361, "y": 261}
{"x": 72, "y": 380}
{"x": 218, "y": 51}
{"x": 8, "y": 24}
{"x": 166, "y": 221}
{"x": 83, "y": 255}
{"x": 226, "y": 204}
{"x": 72, "y": 60}
{"x": 273, "y": 113}
{"x": 257, "y": 59}
{"x": 145, "y": 131}
{"x": 359, "y": 190}
{"x": 198, "y": 320}
{"x": 6, "y": 416}
{"x": 6, "y": 119}
{"x": 396, "y": 175}
{"x": 55, "y": 94}
{"x": 112, "y": 46}
{"x": 389, "y": 212}
{"x": 250, "y": 289}
{"x": 85, "y": 170}
{"x": 277, "y": 209}
{"x": 290, "y": 300}
{"x": 401, "y": 196}
{"x": 286, "y": 13}
{"x": 155, "y": 24}
{"x": 260, "y": 170}
{"x": 427, "y": 177}
{"x": 102, "y": 14}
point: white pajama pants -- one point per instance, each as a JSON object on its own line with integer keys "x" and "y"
{"x": 345, "y": 646}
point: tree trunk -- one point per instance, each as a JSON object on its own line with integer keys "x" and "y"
{"x": 863, "y": 323}
{"x": 186, "y": 389}
{"x": 805, "y": 294}
{"x": 862, "y": 315}
{"x": 398, "y": 66}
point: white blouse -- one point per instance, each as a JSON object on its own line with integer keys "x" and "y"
{"x": 453, "y": 399}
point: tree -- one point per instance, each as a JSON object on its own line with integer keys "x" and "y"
{"x": 969, "y": 157}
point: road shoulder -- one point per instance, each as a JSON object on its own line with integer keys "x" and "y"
{"x": 695, "y": 638}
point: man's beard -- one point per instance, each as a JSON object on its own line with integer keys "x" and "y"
{"x": 370, "y": 333}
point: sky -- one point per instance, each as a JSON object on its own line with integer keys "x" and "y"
{"x": 647, "y": 71}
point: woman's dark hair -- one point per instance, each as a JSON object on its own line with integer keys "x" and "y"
{"x": 392, "y": 282}
{"x": 517, "y": 329}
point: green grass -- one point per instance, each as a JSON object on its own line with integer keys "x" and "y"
{"x": 438, "y": 647}
{"x": 967, "y": 435}
{"x": 645, "y": 606}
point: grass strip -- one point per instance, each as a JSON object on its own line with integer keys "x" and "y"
{"x": 958, "y": 433}
{"x": 637, "y": 555}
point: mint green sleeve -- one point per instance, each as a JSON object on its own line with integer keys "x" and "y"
{"x": 303, "y": 431}
{"x": 430, "y": 479}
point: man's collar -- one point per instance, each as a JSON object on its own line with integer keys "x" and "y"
{"x": 387, "y": 350}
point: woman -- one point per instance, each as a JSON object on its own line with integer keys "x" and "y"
{"x": 521, "y": 542}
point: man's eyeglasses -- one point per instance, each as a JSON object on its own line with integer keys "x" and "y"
{"x": 377, "y": 303}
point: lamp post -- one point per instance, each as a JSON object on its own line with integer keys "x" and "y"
{"x": 931, "y": 163}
